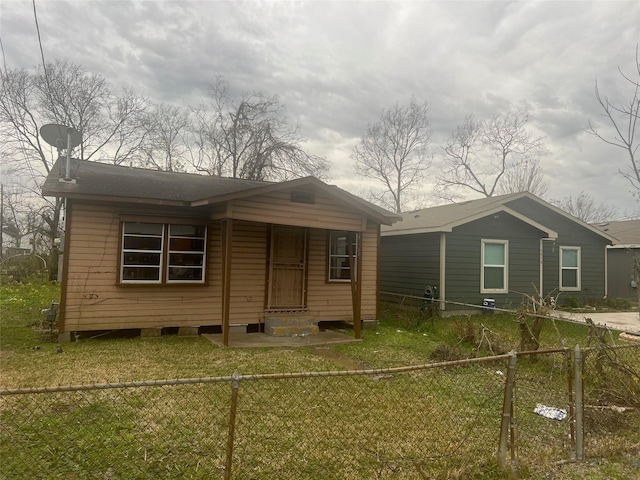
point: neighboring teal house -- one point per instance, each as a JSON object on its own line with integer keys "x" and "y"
{"x": 495, "y": 248}
{"x": 622, "y": 258}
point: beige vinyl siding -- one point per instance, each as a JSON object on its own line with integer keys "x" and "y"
{"x": 332, "y": 301}
{"x": 94, "y": 300}
{"x": 324, "y": 213}
{"x": 248, "y": 272}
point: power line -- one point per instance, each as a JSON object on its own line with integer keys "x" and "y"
{"x": 4, "y": 57}
{"x": 44, "y": 65}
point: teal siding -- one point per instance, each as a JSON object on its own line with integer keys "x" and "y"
{"x": 408, "y": 263}
{"x": 463, "y": 260}
{"x": 570, "y": 234}
{"x": 621, "y": 272}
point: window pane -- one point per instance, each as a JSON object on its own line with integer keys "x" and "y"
{"x": 187, "y": 274}
{"x": 186, "y": 244}
{"x": 134, "y": 258}
{"x": 141, "y": 273}
{"x": 338, "y": 244}
{"x": 143, "y": 228}
{"x": 187, "y": 230}
{"x": 569, "y": 258}
{"x": 494, "y": 254}
{"x": 185, "y": 259}
{"x": 339, "y": 268}
{"x": 570, "y": 278}
{"x": 142, "y": 243}
{"x": 493, "y": 278}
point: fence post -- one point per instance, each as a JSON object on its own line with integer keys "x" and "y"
{"x": 235, "y": 386}
{"x": 578, "y": 362}
{"x": 507, "y": 411}
{"x": 571, "y": 399}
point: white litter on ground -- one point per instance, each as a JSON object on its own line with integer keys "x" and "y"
{"x": 550, "y": 412}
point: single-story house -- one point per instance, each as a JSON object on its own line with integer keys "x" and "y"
{"x": 152, "y": 250}
{"x": 621, "y": 257}
{"x": 494, "y": 250}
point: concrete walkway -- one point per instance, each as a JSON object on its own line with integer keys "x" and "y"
{"x": 623, "y": 321}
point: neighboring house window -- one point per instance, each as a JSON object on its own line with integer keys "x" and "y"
{"x": 162, "y": 253}
{"x": 494, "y": 273}
{"x": 339, "y": 269}
{"x": 570, "y": 268}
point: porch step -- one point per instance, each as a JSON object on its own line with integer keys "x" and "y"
{"x": 290, "y": 326}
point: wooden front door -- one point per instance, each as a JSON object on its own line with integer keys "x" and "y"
{"x": 288, "y": 268}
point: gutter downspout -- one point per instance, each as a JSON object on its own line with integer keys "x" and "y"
{"x": 541, "y": 292}
{"x": 606, "y": 271}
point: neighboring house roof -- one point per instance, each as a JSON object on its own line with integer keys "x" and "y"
{"x": 93, "y": 180}
{"x": 446, "y": 217}
{"x": 626, "y": 233}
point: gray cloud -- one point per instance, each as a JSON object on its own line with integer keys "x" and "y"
{"x": 335, "y": 65}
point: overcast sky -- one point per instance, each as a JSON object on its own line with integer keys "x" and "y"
{"x": 335, "y": 65}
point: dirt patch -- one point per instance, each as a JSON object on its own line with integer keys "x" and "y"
{"x": 340, "y": 358}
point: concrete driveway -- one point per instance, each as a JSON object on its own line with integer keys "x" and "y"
{"x": 623, "y": 321}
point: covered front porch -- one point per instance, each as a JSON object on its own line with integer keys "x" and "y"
{"x": 304, "y": 278}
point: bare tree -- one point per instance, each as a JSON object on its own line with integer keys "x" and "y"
{"x": 394, "y": 152}
{"x": 586, "y": 208}
{"x": 527, "y": 176}
{"x": 479, "y": 154}
{"x": 62, "y": 93}
{"x": 623, "y": 116}
{"x": 22, "y": 218}
{"x": 247, "y": 137}
{"x": 165, "y": 146}
{"x": 71, "y": 96}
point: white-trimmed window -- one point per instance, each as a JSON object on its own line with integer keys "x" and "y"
{"x": 570, "y": 268}
{"x": 339, "y": 269}
{"x": 162, "y": 253}
{"x": 494, "y": 276}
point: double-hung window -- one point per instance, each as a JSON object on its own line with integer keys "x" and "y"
{"x": 494, "y": 275}
{"x": 339, "y": 268}
{"x": 162, "y": 253}
{"x": 570, "y": 268}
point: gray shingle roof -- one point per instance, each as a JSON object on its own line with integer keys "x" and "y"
{"x": 120, "y": 183}
{"x": 443, "y": 218}
{"x": 626, "y": 232}
{"x": 93, "y": 178}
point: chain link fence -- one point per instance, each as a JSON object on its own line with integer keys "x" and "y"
{"x": 406, "y": 422}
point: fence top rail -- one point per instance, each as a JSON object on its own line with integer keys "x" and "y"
{"x": 504, "y": 310}
{"x": 236, "y": 377}
{"x": 610, "y": 347}
{"x": 275, "y": 376}
{"x": 106, "y": 386}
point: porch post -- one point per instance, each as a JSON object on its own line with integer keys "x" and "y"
{"x": 227, "y": 236}
{"x": 356, "y": 283}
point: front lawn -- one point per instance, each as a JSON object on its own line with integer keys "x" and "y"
{"x": 30, "y": 359}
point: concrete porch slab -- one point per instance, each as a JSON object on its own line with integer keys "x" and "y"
{"x": 260, "y": 340}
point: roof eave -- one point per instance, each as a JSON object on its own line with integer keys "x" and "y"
{"x": 113, "y": 198}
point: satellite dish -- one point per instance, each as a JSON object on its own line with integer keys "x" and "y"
{"x": 58, "y": 136}
{"x": 62, "y": 137}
